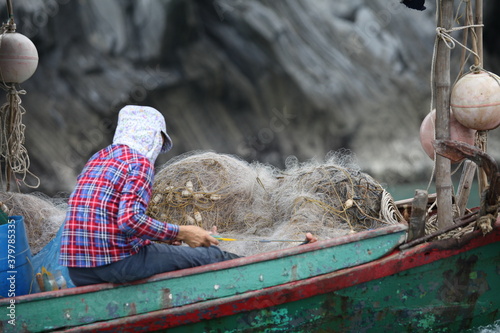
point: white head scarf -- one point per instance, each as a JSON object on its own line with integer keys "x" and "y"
{"x": 140, "y": 128}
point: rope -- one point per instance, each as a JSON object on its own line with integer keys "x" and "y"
{"x": 451, "y": 42}
{"x": 431, "y": 225}
{"x": 12, "y": 150}
{"x": 389, "y": 211}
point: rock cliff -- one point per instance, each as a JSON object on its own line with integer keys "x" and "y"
{"x": 260, "y": 79}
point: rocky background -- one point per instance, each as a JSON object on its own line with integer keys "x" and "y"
{"x": 262, "y": 79}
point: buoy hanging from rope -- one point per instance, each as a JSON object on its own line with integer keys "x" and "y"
{"x": 18, "y": 62}
{"x": 458, "y": 132}
{"x": 475, "y": 100}
{"x": 18, "y": 54}
{"x": 18, "y": 58}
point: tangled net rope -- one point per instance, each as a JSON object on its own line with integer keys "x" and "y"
{"x": 211, "y": 189}
{"x": 329, "y": 198}
{"x": 12, "y": 150}
{"x": 43, "y": 216}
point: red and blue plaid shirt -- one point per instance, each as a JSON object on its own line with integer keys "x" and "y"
{"x": 106, "y": 219}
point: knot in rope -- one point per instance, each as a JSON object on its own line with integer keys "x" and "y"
{"x": 446, "y": 37}
{"x": 476, "y": 68}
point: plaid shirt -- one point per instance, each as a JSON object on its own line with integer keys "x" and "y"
{"x": 106, "y": 219}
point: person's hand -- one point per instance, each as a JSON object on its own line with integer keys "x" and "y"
{"x": 213, "y": 231}
{"x": 310, "y": 238}
{"x": 195, "y": 236}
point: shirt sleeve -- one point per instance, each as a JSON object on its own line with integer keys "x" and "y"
{"x": 132, "y": 218}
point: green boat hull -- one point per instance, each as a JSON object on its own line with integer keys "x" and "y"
{"x": 449, "y": 295}
{"x": 361, "y": 283}
{"x": 443, "y": 286}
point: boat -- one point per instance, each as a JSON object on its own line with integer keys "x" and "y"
{"x": 357, "y": 283}
{"x": 369, "y": 281}
{"x": 363, "y": 282}
{"x": 392, "y": 278}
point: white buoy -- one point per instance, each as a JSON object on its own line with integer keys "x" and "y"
{"x": 475, "y": 100}
{"x": 18, "y": 58}
{"x": 458, "y": 132}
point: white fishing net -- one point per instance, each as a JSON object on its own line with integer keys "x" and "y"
{"x": 43, "y": 216}
{"x": 251, "y": 202}
{"x": 255, "y": 203}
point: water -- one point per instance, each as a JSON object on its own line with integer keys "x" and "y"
{"x": 406, "y": 191}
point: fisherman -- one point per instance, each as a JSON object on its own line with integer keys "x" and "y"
{"x": 107, "y": 235}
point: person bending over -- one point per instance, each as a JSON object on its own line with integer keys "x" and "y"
{"x": 107, "y": 236}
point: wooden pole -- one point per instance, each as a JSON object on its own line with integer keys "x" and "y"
{"x": 479, "y": 30}
{"x": 418, "y": 215}
{"x": 465, "y": 185}
{"x": 470, "y": 20}
{"x": 482, "y": 135}
{"x": 444, "y": 186}
{"x": 473, "y": 18}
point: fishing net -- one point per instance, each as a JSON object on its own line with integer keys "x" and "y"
{"x": 43, "y": 216}
{"x": 210, "y": 189}
{"x": 253, "y": 201}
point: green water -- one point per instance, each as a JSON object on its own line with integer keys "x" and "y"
{"x": 406, "y": 191}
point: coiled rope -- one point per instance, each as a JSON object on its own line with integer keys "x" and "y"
{"x": 12, "y": 149}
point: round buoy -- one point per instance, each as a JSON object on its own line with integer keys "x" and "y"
{"x": 458, "y": 132}
{"x": 18, "y": 58}
{"x": 475, "y": 100}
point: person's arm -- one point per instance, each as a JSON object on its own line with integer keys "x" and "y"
{"x": 132, "y": 218}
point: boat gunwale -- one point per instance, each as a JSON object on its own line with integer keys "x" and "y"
{"x": 266, "y": 256}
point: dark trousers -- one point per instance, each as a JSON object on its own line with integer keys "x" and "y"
{"x": 152, "y": 259}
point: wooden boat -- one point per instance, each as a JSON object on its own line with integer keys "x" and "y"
{"x": 440, "y": 286}
{"x": 371, "y": 281}
{"x": 362, "y": 282}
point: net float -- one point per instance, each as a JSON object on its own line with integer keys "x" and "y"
{"x": 458, "y": 132}
{"x": 475, "y": 100}
{"x": 18, "y": 58}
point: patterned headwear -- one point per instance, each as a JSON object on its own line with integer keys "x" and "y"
{"x": 140, "y": 128}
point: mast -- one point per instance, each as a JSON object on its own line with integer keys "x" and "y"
{"x": 479, "y": 30}
{"x": 444, "y": 186}
{"x": 479, "y": 62}
{"x": 476, "y": 20}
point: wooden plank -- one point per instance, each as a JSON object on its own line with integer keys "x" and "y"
{"x": 52, "y": 310}
{"x": 465, "y": 185}
{"x": 418, "y": 215}
{"x": 405, "y": 202}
